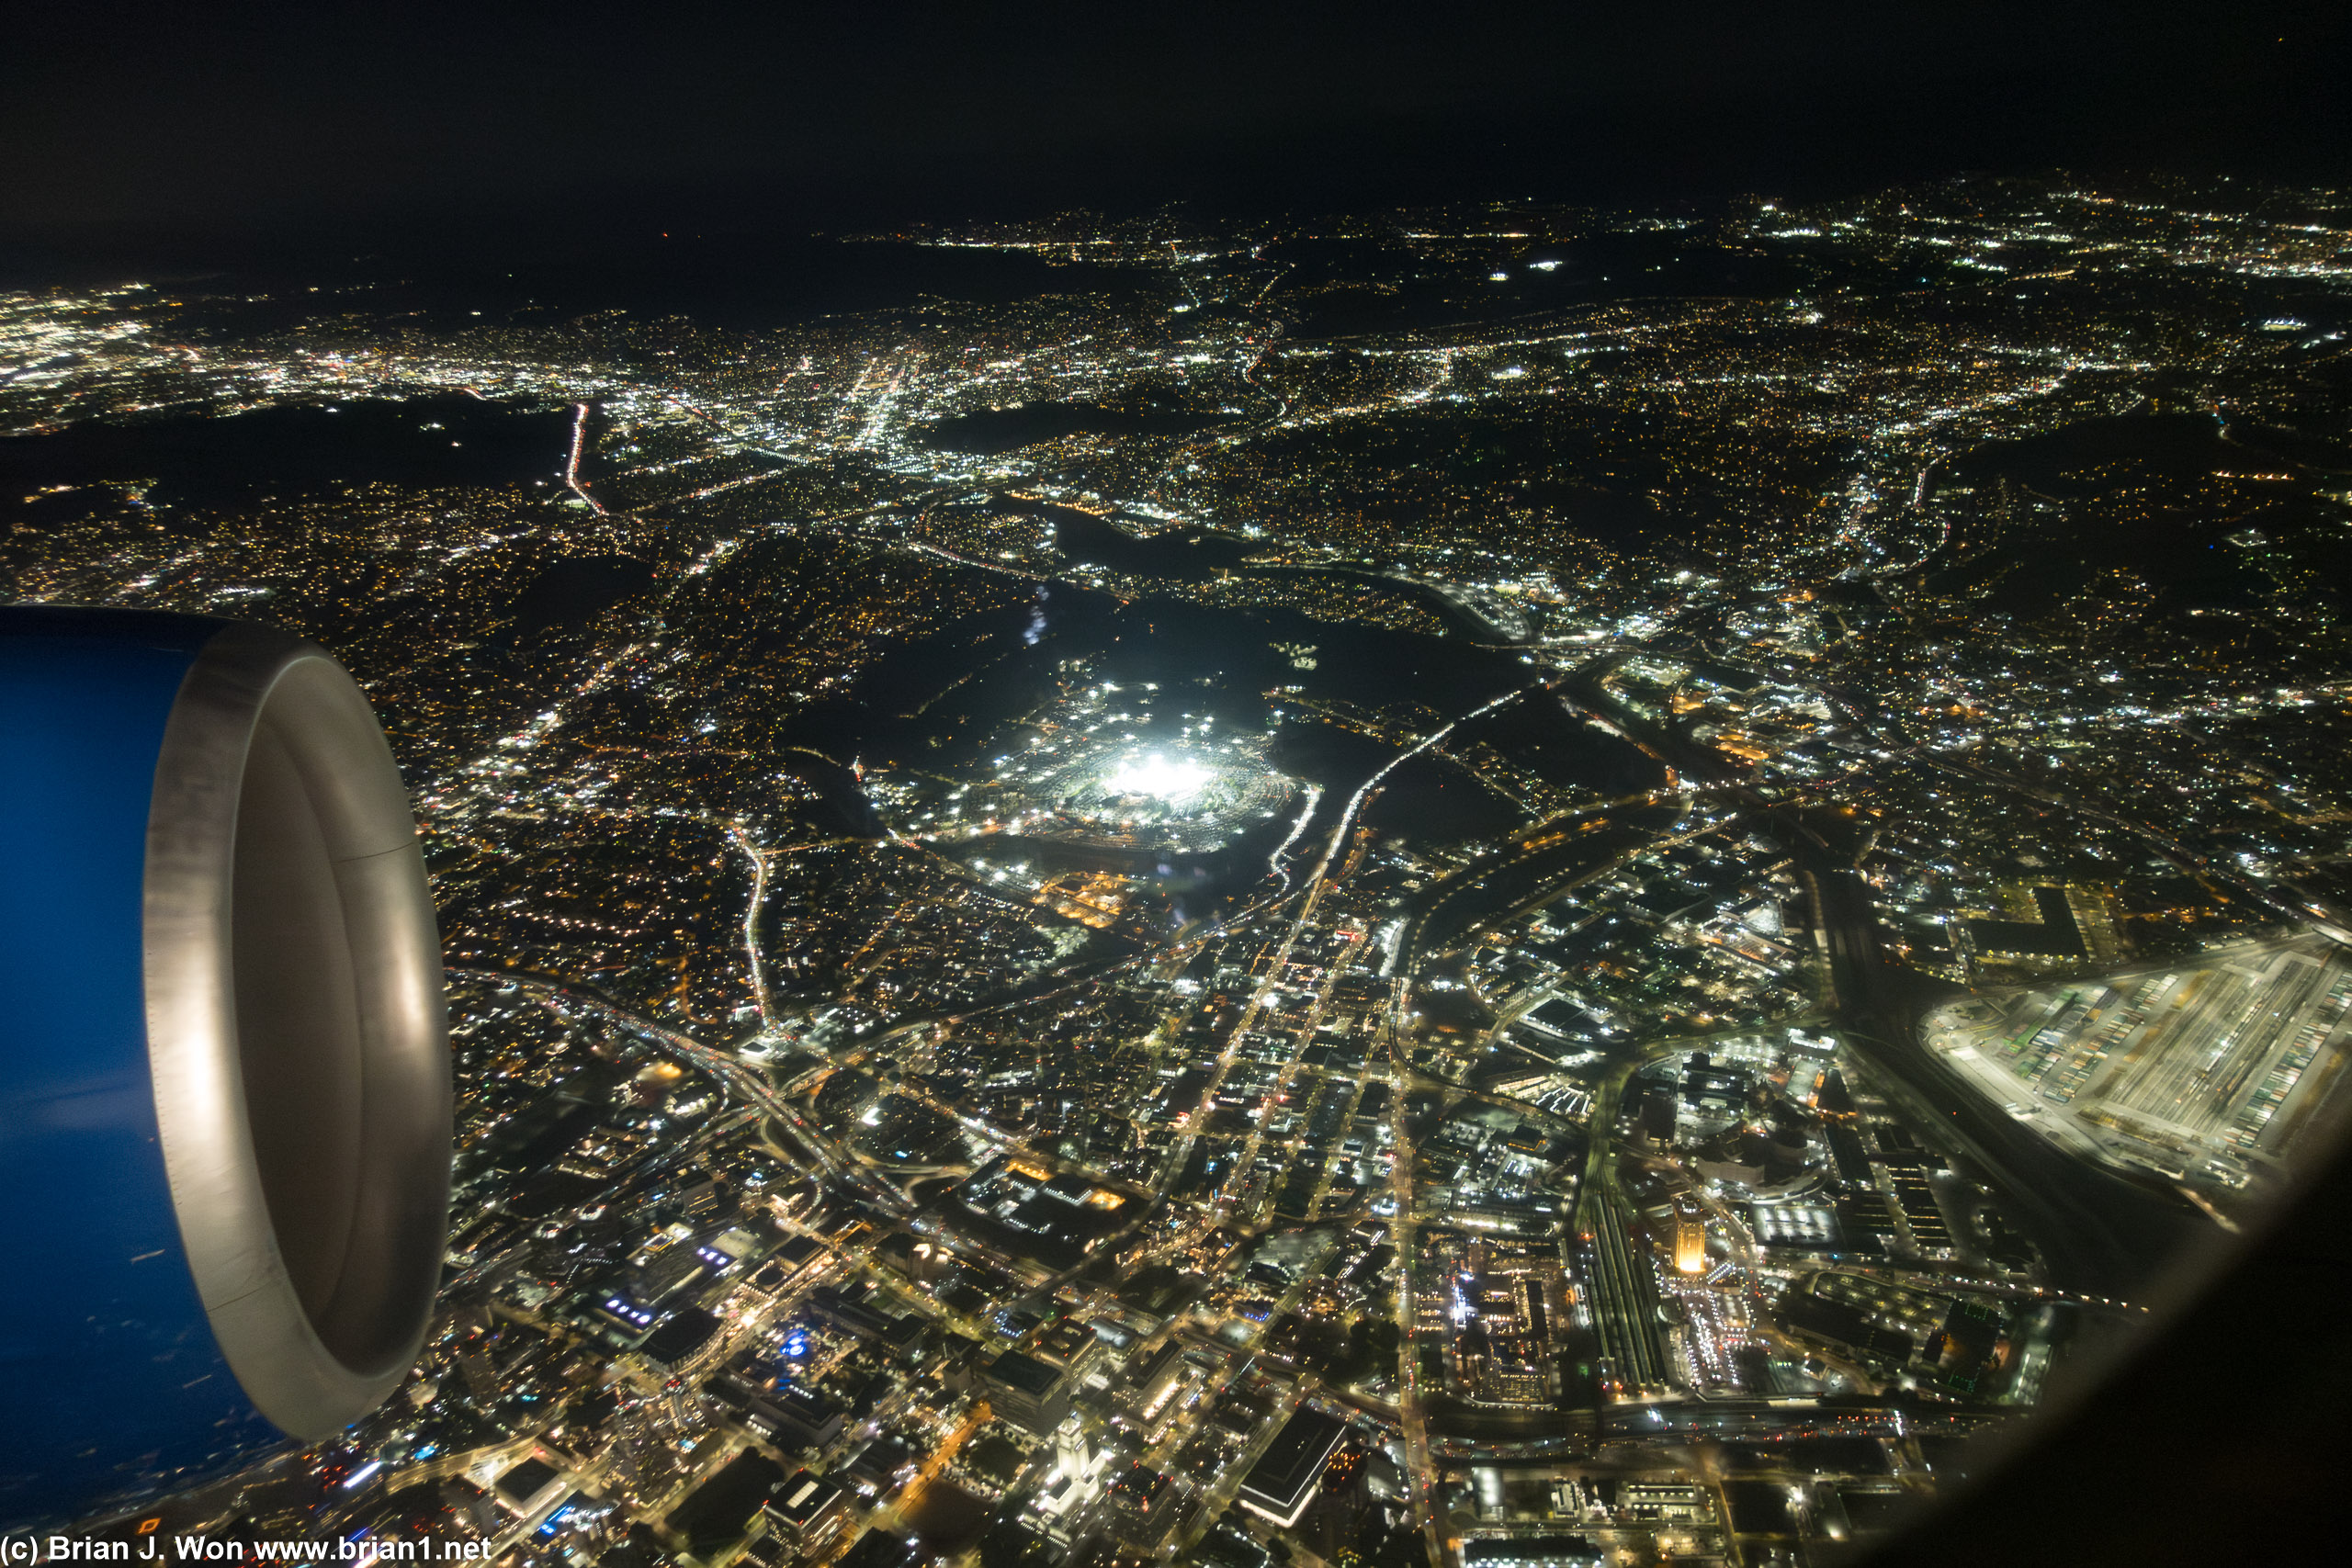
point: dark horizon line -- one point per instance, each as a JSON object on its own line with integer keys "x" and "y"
{"x": 474, "y": 235}
{"x": 1806, "y": 154}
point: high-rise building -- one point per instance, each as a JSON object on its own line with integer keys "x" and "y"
{"x": 1689, "y": 1238}
{"x": 1027, "y": 1392}
{"x": 1071, "y": 1449}
{"x": 1290, "y": 1472}
{"x": 807, "y": 1509}
{"x": 481, "y": 1377}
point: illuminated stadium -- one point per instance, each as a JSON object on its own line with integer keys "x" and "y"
{"x": 1189, "y": 795}
{"x": 1106, "y": 765}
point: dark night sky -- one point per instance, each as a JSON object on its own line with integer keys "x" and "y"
{"x": 259, "y": 120}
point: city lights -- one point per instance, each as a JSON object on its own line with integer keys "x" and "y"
{"x": 1591, "y": 885}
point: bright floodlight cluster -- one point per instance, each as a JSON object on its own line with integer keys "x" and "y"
{"x": 1193, "y": 796}
{"x": 1178, "y": 781}
{"x": 1106, "y": 762}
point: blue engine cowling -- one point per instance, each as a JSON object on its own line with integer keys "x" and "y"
{"x": 224, "y": 1072}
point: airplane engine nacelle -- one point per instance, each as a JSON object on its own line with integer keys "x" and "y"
{"x": 224, "y": 1072}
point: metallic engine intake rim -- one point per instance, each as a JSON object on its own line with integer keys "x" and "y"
{"x": 273, "y": 774}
